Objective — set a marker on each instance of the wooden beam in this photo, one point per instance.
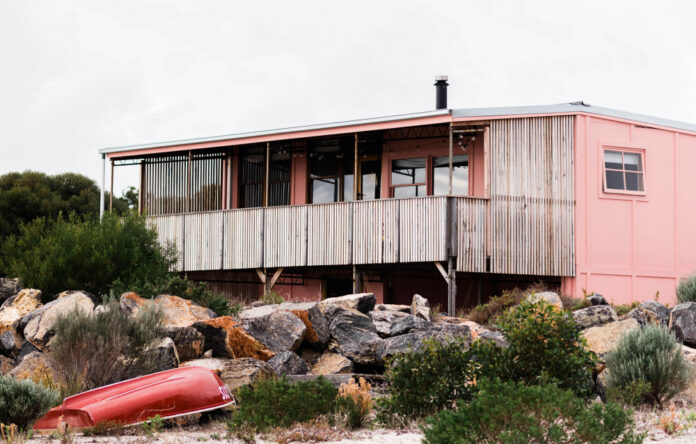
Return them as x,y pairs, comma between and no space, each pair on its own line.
450,160
275,277
441,269
261,274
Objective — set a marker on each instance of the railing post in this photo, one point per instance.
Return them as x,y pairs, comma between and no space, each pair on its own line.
103,183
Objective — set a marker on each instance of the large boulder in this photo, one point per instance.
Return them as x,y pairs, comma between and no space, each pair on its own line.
33,365
597,299
394,323
189,342
37,326
332,364
651,312
11,341
393,307
6,365
682,323
279,331
239,372
131,303
420,307
362,302
19,305
549,297
355,335
8,288
288,363
603,338
176,311
228,339
414,341
164,354
317,334
213,364
594,316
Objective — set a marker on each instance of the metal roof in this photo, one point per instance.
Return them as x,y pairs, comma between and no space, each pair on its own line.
561,108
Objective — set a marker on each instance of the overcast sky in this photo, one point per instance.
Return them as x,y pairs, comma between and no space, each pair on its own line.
76,76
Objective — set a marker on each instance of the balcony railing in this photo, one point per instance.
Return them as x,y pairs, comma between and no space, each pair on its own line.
362,232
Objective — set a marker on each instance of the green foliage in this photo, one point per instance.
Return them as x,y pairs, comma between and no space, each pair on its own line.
511,412
623,309
427,380
544,345
86,254
487,313
271,402
351,412
686,290
631,394
152,426
94,349
176,285
652,356
272,297
22,401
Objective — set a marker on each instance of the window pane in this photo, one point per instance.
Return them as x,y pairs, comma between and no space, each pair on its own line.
325,190
405,171
634,182
370,172
615,180
413,191
633,162
460,175
612,160
347,187
324,162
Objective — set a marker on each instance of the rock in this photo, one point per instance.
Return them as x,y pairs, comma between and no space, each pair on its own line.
67,293
682,322
131,303
227,339
258,312
214,364
208,354
447,331
332,364
310,356
257,304
549,297
11,341
6,365
189,342
33,364
19,305
362,302
603,339
414,341
164,354
596,299
651,312
8,288
288,363
239,372
179,312
356,335
594,316
420,307
279,331
37,326
600,387
493,336
394,323
26,350
317,334
393,307
101,308
689,354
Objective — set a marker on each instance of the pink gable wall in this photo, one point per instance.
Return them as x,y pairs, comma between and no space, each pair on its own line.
629,247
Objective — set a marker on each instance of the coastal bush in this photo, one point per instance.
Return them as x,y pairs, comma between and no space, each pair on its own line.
94,349
86,254
651,357
272,402
544,345
686,290
487,313
512,412
22,401
427,380
354,402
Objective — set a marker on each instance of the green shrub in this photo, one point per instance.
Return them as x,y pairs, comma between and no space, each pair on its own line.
487,313
511,412
70,254
427,380
22,402
94,349
272,297
686,290
544,345
624,309
271,402
652,356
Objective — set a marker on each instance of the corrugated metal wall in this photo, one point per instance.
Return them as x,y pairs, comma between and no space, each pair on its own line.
532,196
170,232
471,234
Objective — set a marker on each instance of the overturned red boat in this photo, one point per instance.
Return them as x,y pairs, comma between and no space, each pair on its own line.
171,393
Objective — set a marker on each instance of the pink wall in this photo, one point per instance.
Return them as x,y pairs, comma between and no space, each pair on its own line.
298,177
628,247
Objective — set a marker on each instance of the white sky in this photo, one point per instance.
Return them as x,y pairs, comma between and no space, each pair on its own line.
76,76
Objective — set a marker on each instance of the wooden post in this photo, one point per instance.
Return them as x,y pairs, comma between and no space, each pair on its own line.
355,170
268,171
111,196
450,159
188,183
356,284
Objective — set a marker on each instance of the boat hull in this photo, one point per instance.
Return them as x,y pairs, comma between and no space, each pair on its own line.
166,394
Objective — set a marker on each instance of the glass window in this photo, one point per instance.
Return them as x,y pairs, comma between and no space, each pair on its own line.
408,177
279,179
623,171
324,174
460,175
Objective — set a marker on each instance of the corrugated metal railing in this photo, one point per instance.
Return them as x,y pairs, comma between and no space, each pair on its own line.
362,232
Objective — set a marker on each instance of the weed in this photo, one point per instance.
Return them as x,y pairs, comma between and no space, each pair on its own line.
271,297
354,402
669,423
105,428
152,426
10,434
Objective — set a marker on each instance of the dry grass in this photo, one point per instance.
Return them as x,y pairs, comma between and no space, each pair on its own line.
317,430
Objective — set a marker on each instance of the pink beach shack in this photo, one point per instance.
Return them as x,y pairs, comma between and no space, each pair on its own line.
453,204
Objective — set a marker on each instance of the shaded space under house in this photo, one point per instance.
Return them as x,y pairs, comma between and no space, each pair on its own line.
453,204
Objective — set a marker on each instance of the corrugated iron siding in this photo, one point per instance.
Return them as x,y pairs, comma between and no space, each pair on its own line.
243,239
330,230
423,229
471,234
170,232
285,236
532,196
206,230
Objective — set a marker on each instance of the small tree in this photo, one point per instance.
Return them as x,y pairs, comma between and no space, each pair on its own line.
22,401
649,357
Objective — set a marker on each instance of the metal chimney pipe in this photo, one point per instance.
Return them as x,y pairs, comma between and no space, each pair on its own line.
441,92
